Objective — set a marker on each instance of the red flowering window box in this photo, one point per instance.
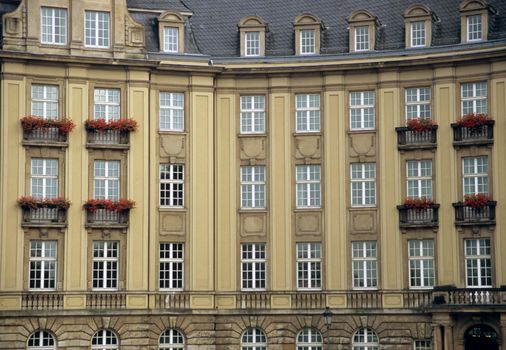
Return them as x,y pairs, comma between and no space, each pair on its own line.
418,212
109,134
46,132
476,210
418,133
473,129
43,212
108,213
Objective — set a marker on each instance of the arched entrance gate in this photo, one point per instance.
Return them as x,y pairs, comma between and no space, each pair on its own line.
480,337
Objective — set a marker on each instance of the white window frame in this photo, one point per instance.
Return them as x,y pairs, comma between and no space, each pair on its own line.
253,265
308,186
253,183
46,101
361,183
418,102
421,259
482,260
105,338
110,181
171,178
309,339
307,117
38,338
364,259
474,28
476,178
55,16
362,38
103,262
47,180
171,339
110,101
92,21
309,261
364,107
253,339
365,339
421,181
171,263
422,344
251,43
479,103
418,34
48,264
307,41
252,114
171,39
171,111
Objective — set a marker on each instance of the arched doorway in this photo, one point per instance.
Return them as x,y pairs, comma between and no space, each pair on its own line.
481,337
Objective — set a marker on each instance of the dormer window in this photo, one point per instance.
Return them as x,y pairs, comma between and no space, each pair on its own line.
362,31
252,33
307,35
53,22
474,17
418,34
418,22
171,30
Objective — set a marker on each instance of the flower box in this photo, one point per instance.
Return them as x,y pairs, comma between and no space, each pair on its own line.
107,134
418,212
475,212
473,129
44,212
108,213
418,134
37,130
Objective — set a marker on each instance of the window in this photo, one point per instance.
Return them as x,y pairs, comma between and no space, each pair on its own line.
478,263
307,42
44,178
253,270
42,265
364,260
252,41
171,111
421,263
106,181
418,103
365,339
171,185
309,339
253,339
53,25
171,39
107,104
105,264
171,266
475,170
363,184
362,38
474,28
171,339
362,110
419,178
418,34
252,187
104,340
309,266
45,101
96,29
307,180
252,114
41,340
474,98
307,113
423,345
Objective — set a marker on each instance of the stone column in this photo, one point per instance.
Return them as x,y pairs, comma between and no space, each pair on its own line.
437,338
448,329
502,336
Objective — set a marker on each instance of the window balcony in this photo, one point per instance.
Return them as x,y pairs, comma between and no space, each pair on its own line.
38,131
473,136
108,139
469,216
44,217
407,139
410,217
105,218
451,296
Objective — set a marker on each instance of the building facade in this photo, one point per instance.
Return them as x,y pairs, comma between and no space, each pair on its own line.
216,175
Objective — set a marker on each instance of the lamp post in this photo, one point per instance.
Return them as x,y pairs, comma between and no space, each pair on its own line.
327,320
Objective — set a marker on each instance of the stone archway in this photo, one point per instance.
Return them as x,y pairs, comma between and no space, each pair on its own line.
480,337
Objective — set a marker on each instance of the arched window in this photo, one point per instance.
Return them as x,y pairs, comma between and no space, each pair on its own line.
171,339
104,339
365,339
41,340
309,339
253,339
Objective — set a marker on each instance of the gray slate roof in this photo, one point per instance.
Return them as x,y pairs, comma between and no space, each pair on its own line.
212,28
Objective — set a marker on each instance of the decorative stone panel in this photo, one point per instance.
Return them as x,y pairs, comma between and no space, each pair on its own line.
173,146
252,148
308,223
362,145
253,224
308,147
172,223
363,221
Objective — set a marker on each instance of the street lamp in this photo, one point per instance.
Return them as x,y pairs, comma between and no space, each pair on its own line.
327,320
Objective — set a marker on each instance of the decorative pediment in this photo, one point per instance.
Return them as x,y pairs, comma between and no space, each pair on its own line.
361,16
252,22
306,19
473,5
171,16
418,11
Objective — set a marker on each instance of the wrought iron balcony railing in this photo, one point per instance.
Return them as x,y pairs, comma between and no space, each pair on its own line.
469,216
44,216
482,135
108,139
414,217
107,218
45,137
408,139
